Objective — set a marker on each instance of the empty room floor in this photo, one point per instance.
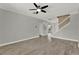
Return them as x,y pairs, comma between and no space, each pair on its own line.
41,46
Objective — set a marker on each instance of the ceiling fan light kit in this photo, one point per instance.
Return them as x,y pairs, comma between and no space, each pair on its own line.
39,10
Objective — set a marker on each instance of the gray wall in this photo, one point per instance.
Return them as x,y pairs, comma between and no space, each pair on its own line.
72,30
15,26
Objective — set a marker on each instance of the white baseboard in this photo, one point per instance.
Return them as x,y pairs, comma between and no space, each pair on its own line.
65,39
4,44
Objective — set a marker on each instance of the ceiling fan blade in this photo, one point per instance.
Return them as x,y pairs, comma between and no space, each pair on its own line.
43,11
37,12
32,9
35,5
44,7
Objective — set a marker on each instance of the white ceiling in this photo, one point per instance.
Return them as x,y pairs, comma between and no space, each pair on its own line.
53,10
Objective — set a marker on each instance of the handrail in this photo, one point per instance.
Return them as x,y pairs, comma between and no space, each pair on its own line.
64,20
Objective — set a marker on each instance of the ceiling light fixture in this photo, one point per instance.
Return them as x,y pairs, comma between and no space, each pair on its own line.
39,10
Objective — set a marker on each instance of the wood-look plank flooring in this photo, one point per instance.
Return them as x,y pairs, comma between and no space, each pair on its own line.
41,46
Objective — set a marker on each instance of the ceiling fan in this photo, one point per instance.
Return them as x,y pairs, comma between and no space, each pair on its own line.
39,8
